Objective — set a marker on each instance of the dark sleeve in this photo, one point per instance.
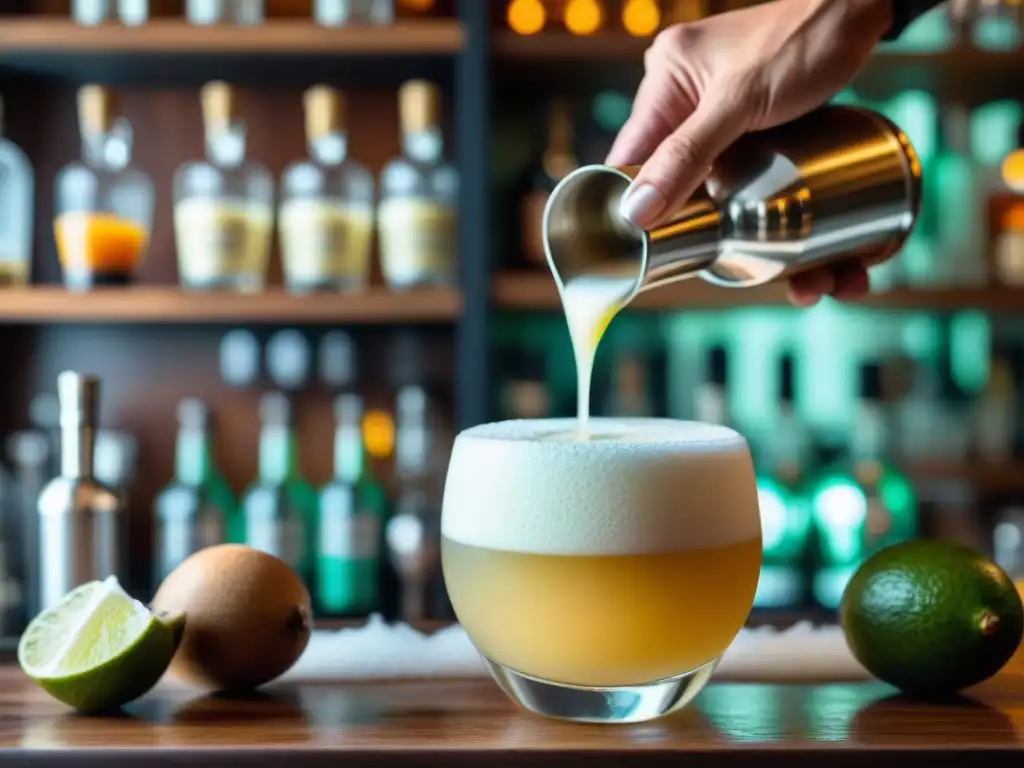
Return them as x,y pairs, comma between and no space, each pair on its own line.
904,12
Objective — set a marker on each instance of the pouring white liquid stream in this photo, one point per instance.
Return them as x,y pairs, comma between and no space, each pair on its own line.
589,303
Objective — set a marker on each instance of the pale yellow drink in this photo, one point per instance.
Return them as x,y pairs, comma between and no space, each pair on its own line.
619,560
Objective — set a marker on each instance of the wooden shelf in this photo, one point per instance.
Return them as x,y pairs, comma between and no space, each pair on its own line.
50,305
57,47
530,291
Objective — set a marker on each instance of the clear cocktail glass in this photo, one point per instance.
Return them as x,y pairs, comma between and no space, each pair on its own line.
601,579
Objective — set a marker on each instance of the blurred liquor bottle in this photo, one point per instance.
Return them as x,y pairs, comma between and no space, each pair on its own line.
350,522
862,503
339,13
17,185
557,161
957,202
995,416
279,508
196,509
419,192
784,503
104,206
224,204
711,397
325,219
1006,219
237,12
525,390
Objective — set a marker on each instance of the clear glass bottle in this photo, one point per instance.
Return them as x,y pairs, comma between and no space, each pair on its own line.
238,12
280,508
17,187
339,13
419,193
325,219
103,206
223,205
197,508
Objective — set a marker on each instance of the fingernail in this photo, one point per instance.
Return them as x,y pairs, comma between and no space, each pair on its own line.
642,204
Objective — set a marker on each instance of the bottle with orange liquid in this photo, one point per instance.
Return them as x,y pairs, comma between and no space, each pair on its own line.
103,205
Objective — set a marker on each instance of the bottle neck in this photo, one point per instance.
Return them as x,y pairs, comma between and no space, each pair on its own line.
226,146
869,435
77,448
192,457
424,146
110,151
331,149
349,455
277,455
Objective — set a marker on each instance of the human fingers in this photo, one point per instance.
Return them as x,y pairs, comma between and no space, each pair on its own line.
842,282
682,161
658,109
807,288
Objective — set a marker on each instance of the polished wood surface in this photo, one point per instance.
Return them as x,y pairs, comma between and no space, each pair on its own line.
525,290
45,304
456,723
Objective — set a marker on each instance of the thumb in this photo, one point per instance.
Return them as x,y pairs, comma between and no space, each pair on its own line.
682,161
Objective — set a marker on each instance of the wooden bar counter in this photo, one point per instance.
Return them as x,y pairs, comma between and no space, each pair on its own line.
470,722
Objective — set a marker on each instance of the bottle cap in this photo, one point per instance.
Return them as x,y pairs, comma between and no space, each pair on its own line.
193,413
325,111
419,106
275,410
221,104
348,409
97,109
79,397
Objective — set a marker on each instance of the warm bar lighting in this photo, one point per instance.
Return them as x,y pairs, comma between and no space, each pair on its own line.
526,17
641,18
1013,170
583,17
417,6
379,434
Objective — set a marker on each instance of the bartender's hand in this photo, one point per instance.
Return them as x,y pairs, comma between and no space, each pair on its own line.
708,83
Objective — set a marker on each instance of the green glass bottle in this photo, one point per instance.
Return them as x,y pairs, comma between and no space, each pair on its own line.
280,508
197,507
352,509
784,504
863,504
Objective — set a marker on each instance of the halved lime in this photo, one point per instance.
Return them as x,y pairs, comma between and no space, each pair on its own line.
98,648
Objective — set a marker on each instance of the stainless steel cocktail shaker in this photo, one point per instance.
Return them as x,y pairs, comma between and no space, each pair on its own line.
838,183
79,517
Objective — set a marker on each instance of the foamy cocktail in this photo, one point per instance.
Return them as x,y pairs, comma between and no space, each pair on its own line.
601,577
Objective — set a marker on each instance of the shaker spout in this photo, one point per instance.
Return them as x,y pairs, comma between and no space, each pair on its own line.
586,235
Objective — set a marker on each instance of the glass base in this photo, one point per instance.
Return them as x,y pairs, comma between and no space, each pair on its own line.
626,704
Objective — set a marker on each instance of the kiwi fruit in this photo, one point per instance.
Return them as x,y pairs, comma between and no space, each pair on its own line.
247,617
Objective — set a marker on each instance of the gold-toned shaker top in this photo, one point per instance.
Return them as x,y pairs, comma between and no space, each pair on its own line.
325,111
419,106
221,104
97,109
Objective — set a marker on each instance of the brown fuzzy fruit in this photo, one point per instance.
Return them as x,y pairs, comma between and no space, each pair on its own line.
247,617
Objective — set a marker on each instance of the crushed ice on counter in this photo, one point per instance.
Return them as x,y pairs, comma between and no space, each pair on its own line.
378,650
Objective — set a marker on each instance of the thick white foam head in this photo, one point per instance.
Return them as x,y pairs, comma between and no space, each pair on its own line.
637,486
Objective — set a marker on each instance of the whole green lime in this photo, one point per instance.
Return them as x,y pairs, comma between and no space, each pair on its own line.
931,617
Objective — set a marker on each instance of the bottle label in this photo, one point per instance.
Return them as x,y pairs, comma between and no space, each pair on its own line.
1009,255
215,242
274,530
320,241
349,537
417,241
